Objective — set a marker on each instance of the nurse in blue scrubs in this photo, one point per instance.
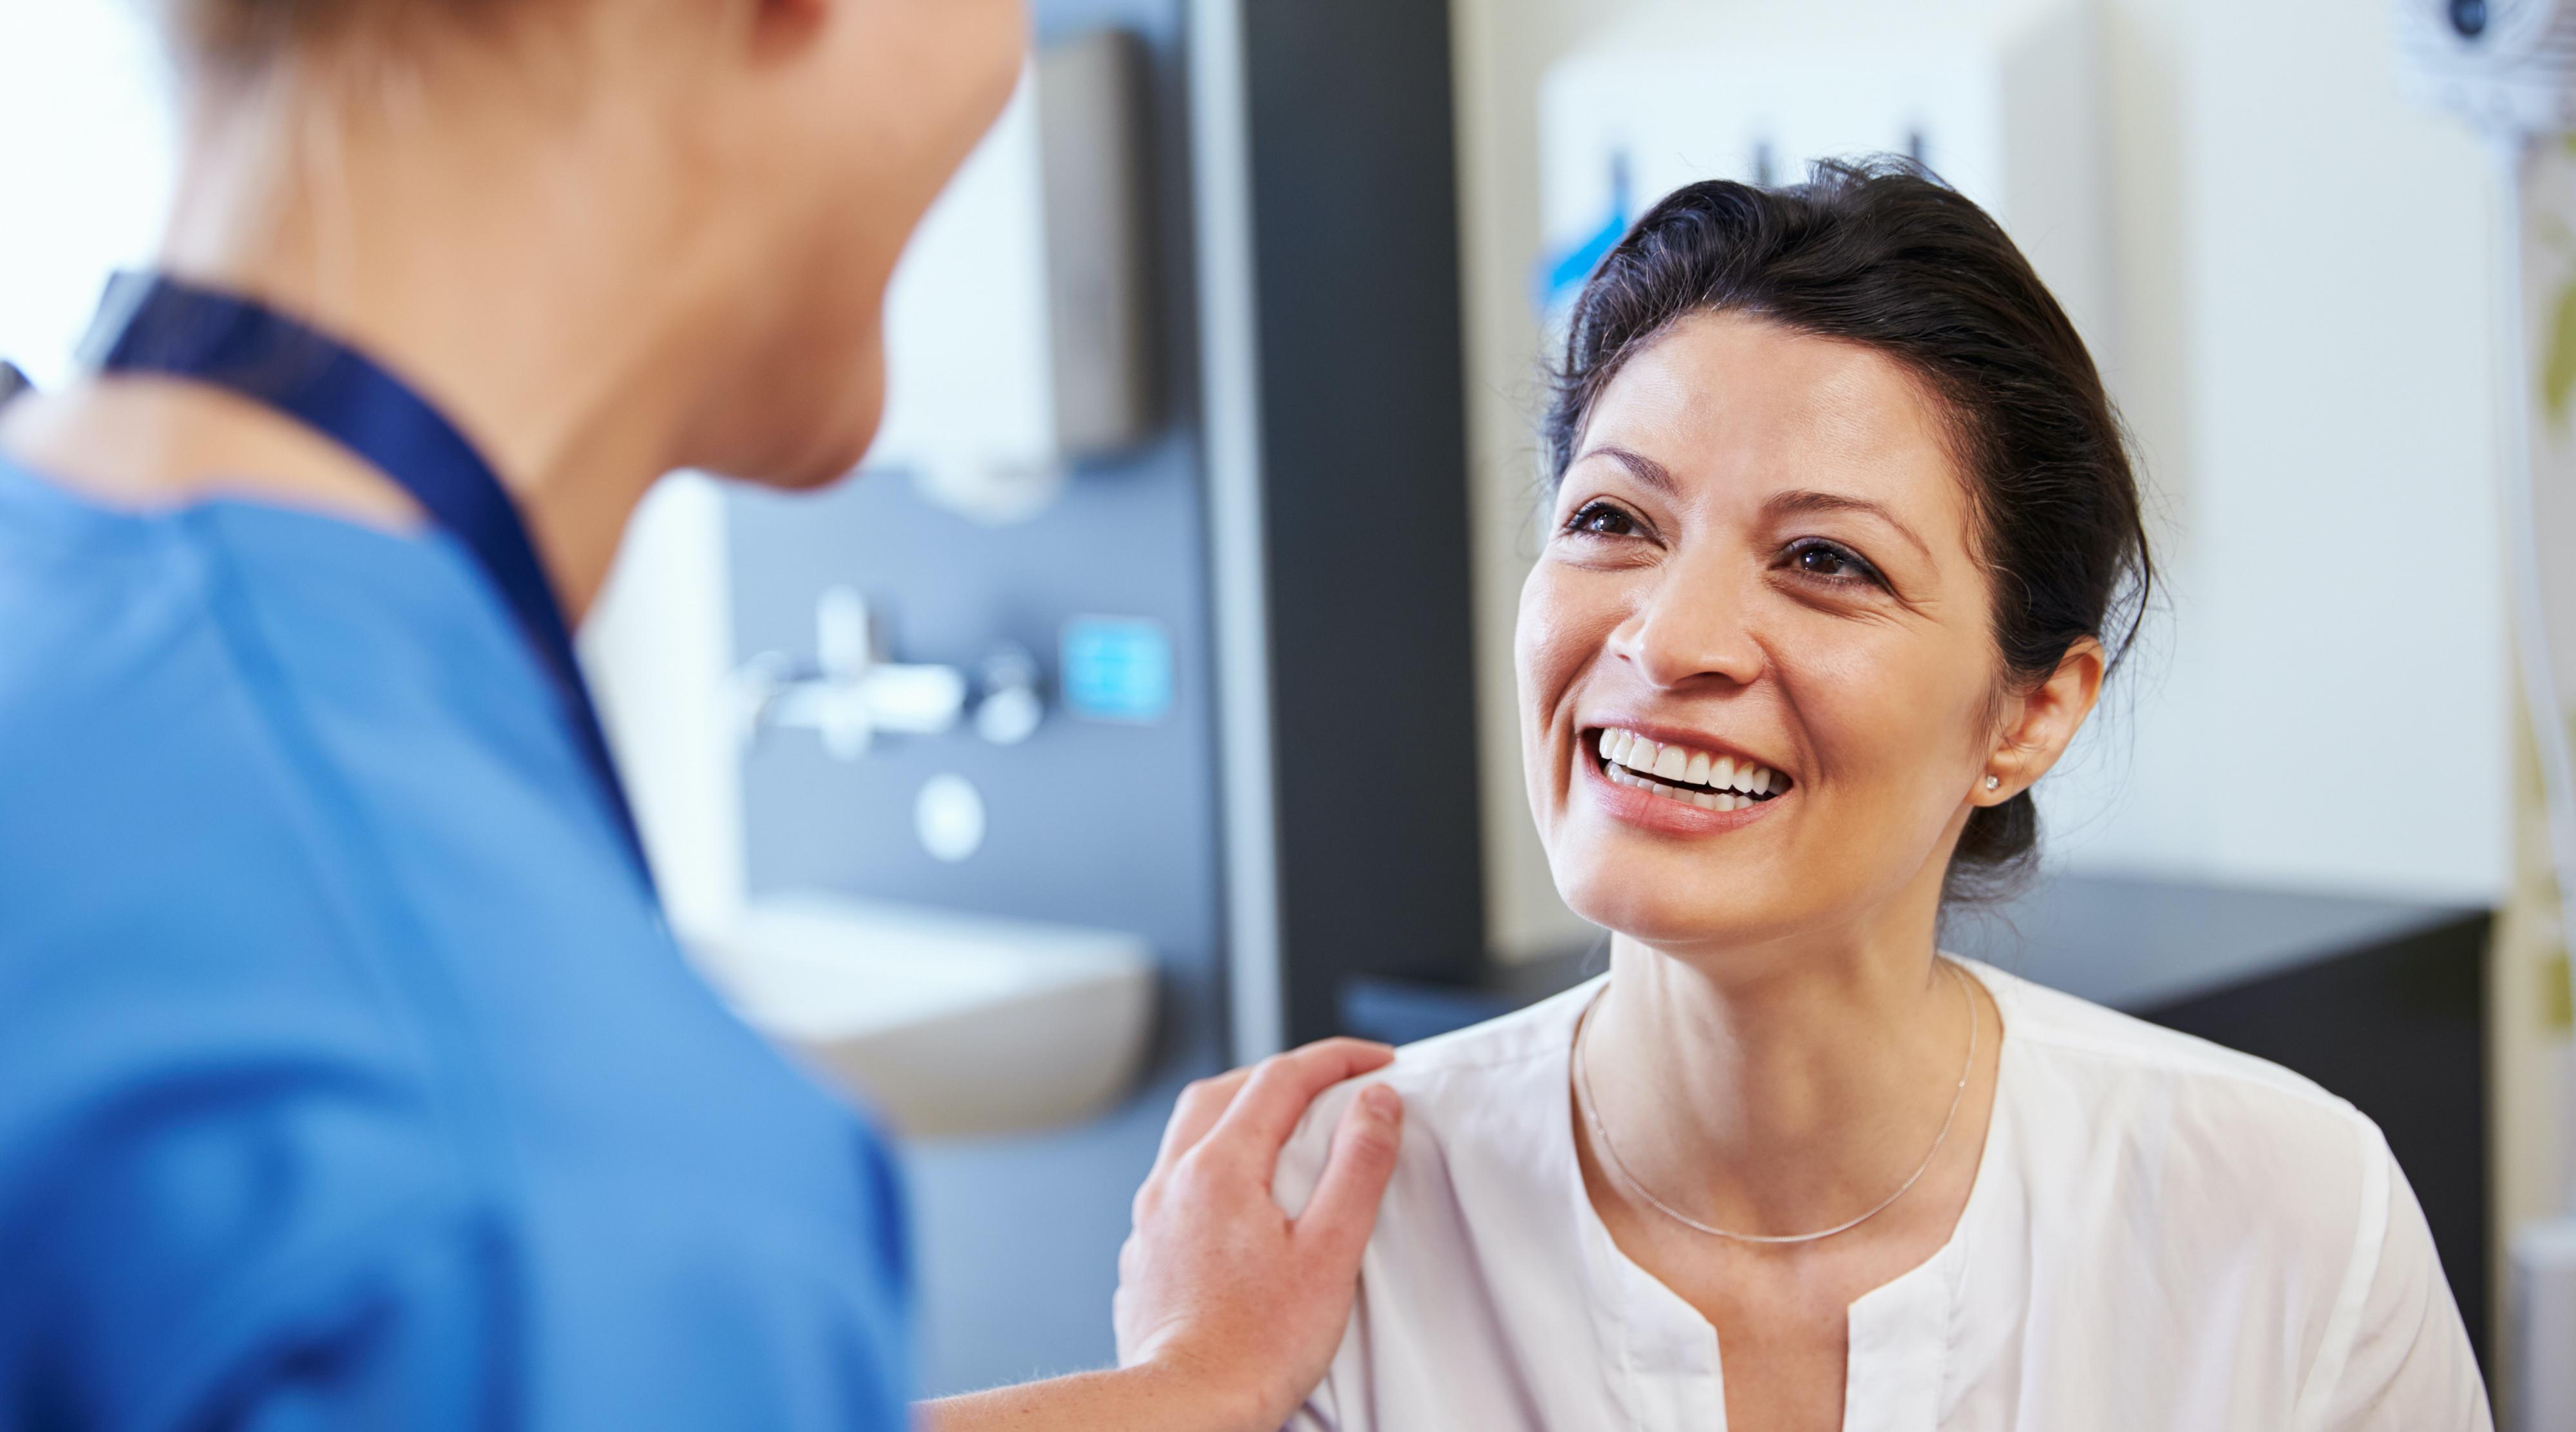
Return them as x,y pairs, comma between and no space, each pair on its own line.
348,1075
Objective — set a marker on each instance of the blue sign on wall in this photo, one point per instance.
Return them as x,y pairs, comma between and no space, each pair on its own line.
1562,274
1117,669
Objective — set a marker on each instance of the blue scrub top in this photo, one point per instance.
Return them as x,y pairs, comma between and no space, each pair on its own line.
348,1076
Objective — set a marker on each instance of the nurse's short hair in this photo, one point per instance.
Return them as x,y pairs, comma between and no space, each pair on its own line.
1880,253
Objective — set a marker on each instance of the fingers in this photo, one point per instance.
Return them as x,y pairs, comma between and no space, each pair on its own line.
1267,1109
1195,1112
1338,1218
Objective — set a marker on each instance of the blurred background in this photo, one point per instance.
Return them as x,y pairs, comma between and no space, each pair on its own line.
1148,706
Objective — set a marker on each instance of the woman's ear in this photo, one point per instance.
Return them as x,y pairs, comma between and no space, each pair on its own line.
2040,723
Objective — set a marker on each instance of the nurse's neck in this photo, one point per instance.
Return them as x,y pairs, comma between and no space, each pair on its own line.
547,273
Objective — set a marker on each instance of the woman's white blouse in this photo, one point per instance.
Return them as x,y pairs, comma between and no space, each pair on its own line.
2163,1234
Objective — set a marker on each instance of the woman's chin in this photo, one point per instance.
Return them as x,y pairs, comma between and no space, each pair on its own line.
1698,911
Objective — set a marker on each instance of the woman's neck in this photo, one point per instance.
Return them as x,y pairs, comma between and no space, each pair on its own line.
537,283
1782,1089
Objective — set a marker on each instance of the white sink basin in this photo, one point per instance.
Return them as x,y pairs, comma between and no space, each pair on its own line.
951,1025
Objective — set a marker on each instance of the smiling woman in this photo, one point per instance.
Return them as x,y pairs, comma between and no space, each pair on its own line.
1841,544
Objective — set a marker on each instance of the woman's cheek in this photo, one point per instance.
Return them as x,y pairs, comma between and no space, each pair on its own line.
1555,645
1552,648
1890,722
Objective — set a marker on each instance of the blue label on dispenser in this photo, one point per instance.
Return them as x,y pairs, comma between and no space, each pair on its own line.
1117,669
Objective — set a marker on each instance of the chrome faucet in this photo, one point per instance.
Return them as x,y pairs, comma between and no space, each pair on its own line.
853,691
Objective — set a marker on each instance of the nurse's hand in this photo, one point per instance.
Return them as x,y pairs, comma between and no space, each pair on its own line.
1228,1310
1216,1286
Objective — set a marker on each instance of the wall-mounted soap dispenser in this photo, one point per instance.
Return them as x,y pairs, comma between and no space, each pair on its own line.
1020,325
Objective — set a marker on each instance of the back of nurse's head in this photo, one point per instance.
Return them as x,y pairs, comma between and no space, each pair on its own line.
782,150
1879,254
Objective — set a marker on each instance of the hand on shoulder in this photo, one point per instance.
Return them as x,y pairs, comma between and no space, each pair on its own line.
1229,1310
1216,1279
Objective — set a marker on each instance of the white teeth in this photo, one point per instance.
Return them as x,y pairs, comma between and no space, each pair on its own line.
1630,758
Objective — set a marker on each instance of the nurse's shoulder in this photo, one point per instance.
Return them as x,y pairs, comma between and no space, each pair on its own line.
194,1095
342,1059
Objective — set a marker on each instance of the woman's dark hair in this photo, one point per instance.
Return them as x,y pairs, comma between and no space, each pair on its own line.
1878,253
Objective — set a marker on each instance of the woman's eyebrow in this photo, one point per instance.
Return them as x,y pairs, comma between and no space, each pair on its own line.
1659,477
1643,468
1791,503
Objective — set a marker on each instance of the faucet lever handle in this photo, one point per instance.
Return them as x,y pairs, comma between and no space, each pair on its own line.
845,643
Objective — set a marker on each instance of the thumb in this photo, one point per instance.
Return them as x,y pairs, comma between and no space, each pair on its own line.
1338,1218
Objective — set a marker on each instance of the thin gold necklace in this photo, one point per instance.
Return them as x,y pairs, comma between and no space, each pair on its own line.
1609,1150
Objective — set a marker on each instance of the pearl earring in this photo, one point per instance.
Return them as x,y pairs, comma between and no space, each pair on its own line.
1994,783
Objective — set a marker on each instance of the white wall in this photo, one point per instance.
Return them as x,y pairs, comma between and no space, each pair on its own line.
85,166
2306,265
2302,261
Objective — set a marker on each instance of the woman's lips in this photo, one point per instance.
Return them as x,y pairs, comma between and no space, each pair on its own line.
1641,807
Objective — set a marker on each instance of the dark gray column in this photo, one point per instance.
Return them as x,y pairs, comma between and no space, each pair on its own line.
1362,434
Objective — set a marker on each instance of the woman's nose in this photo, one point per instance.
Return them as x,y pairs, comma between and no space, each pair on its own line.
1691,629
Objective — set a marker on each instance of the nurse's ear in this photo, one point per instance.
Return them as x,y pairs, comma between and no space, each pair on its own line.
2038,724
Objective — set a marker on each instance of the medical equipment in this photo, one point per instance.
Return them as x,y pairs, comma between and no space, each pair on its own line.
2509,68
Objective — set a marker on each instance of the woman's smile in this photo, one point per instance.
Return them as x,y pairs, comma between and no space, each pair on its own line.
1674,782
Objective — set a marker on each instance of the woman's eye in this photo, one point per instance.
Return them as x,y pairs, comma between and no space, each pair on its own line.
1831,562
1600,519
